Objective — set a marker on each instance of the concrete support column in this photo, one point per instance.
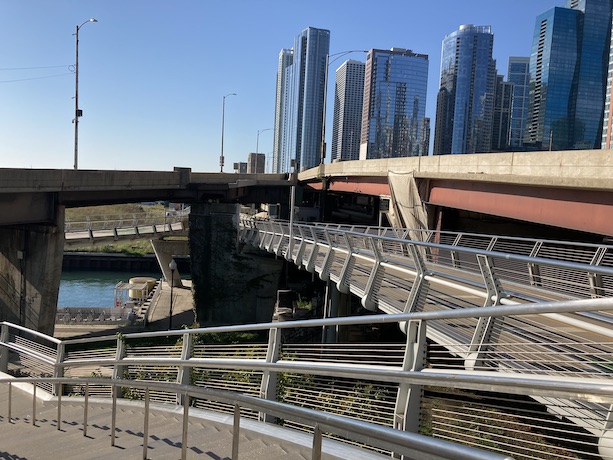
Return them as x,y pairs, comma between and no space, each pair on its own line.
337,304
229,286
30,270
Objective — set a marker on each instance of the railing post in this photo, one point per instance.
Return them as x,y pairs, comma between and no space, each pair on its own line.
345,271
408,401
419,289
236,431
328,258
120,353
4,351
310,263
605,441
485,325
59,406
317,441
268,389
184,373
278,250
301,246
595,279
58,370
455,261
367,300
185,426
533,269
146,424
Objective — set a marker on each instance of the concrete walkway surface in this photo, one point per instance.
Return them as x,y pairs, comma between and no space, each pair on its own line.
209,433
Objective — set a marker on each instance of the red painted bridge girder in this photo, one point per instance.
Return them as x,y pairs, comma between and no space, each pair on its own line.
585,210
578,209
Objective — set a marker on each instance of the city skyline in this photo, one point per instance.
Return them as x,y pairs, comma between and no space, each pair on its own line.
152,75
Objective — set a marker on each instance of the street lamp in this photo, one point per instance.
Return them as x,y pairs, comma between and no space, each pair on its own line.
223,109
323,123
257,142
173,266
77,112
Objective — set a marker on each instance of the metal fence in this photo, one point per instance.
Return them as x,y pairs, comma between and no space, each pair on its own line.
418,386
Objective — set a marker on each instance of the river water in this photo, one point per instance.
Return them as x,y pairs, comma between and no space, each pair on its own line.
92,289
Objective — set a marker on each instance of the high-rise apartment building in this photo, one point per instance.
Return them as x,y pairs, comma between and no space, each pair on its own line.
395,88
607,125
518,73
501,126
256,163
280,153
348,103
568,76
465,101
300,101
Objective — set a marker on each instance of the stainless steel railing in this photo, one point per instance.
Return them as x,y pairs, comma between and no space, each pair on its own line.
402,443
410,386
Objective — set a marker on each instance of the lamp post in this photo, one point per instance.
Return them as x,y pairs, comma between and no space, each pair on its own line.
77,112
257,142
323,123
223,110
173,266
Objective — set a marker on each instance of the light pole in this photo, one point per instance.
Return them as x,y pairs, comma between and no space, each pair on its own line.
257,141
173,266
223,110
77,112
323,123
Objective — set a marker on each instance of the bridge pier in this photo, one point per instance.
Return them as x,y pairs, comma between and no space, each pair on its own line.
30,271
337,304
232,284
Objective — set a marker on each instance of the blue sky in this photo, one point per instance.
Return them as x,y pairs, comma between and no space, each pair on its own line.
152,73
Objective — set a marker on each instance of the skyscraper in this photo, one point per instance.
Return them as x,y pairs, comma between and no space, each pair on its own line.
300,88
519,74
395,88
501,126
568,75
607,125
348,102
280,154
465,101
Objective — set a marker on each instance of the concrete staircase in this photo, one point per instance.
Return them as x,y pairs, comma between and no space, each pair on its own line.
210,434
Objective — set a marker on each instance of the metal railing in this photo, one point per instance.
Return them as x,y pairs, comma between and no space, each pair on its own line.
124,226
403,443
408,386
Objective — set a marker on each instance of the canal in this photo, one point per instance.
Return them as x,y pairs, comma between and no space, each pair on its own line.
93,288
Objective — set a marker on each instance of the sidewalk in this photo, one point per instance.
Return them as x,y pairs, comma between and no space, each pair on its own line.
183,313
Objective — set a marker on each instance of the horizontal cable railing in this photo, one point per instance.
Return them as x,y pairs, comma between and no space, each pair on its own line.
486,396
403,443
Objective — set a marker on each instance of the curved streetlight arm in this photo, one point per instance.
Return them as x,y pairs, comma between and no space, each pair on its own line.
257,141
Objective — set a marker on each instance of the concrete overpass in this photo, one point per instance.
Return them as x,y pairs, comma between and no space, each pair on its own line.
566,189
32,204
570,190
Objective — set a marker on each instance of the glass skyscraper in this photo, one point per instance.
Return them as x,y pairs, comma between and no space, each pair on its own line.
300,101
501,127
519,74
395,88
348,103
568,76
280,154
465,102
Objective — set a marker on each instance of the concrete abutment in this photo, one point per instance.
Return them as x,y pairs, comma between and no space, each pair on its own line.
30,271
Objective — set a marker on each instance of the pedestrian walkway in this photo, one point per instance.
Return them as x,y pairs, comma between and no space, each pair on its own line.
210,434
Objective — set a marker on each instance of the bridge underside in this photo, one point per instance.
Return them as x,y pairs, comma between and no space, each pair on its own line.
576,209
